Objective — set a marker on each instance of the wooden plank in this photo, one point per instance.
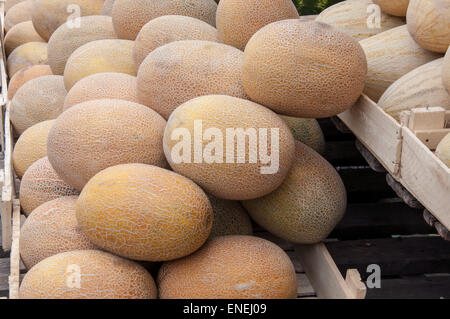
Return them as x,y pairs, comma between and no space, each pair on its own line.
8,185
14,277
432,138
304,287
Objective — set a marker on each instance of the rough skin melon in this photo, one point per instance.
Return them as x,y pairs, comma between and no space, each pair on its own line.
446,71
87,274
443,150
144,212
108,85
31,146
238,175
20,12
52,229
238,20
309,203
129,16
307,131
107,7
393,7
304,69
230,267
19,34
41,184
429,23
97,57
11,3
189,69
66,39
38,100
97,134
26,74
27,54
166,29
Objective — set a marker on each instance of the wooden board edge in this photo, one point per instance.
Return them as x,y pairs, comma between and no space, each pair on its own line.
14,276
7,191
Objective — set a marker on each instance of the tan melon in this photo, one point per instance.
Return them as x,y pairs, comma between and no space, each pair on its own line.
87,274
99,56
429,23
189,69
238,174
358,18
308,205
230,267
31,146
129,16
66,39
11,3
107,7
446,71
107,85
393,7
238,20
166,29
48,15
41,184
144,212
443,150
21,33
421,87
26,74
27,54
390,55
20,12
303,69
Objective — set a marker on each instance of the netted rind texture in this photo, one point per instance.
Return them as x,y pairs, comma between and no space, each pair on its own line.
26,74
20,34
20,12
11,3
443,150
446,71
24,55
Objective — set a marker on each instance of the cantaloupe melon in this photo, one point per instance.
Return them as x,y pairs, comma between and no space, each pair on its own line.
303,69
446,71
231,267
429,23
20,12
309,203
31,146
48,15
359,18
390,55
41,184
26,74
421,87
393,7
87,274
38,100
443,150
237,171
238,20
189,69
109,85
107,7
19,34
11,3
144,212
99,56
129,16
166,29
66,39
27,54
51,229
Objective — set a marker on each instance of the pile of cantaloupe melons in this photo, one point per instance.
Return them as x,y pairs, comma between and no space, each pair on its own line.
98,103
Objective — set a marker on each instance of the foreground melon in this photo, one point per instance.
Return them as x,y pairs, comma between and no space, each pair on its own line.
26,74
429,23
189,69
27,54
238,20
38,100
41,184
97,134
307,131
303,69
394,7
446,71
166,29
390,55
241,172
87,274
421,87
443,150
11,3
107,7
20,34
97,57
231,267
20,12
144,212
309,203
66,39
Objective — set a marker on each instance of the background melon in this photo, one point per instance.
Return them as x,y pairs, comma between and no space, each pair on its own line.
308,205
231,267
189,69
238,20
219,177
52,229
11,3
100,274
20,34
129,16
41,184
144,212
109,85
443,150
37,100
66,39
446,71
394,7
20,12
97,57
31,146
166,29
107,7
26,74
303,69
27,54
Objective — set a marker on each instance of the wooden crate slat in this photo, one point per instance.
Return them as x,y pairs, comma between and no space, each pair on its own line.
8,185
14,277
304,287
